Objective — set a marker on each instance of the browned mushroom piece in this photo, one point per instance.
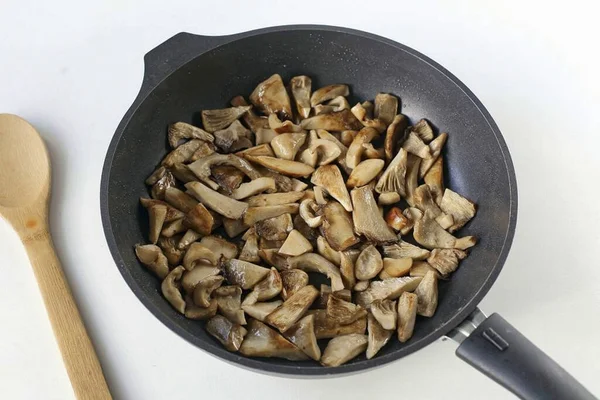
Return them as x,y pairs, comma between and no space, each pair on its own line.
273,258
327,93
253,121
264,136
257,214
390,289
221,247
407,314
377,336
338,121
394,136
368,264
337,226
227,177
152,257
229,300
259,150
370,152
170,249
243,273
301,86
266,289
286,145
320,195
347,260
286,167
395,267
427,295
321,152
234,227
194,312
327,251
420,268
156,175
302,334
249,251
365,172
424,130
157,214
204,150
461,209
200,220
412,214
253,187
171,292
414,145
180,200
428,233
435,147
396,219
394,177
327,328
271,97
292,281
367,219
356,148
329,177
162,184
197,253
385,313
204,289
295,244
434,178
229,334
182,153
312,262
223,205
190,279
306,210
181,131
233,138
343,312
404,249
342,349
172,228
182,173
214,120
262,341
293,308
274,199
275,228
346,137
281,127
412,177
202,168
188,238
172,213
363,111
260,311
423,199
446,260
386,107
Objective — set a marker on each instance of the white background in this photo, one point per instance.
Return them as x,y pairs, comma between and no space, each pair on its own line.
72,69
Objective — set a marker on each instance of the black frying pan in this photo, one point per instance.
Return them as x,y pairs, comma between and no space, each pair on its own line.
188,73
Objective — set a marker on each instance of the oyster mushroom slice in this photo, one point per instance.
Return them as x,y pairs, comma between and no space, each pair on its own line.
326,328
171,292
407,314
182,173
420,268
384,311
342,349
204,289
214,120
283,127
423,199
365,172
202,167
341,160
368,264
250,250
271,97
367,219
300,87
393,178
221,247
361,286
152,257
386,107
293,308
256,214
229,299
295,245
395,267
243,273
405,250
412,214
428,233
435,146
356,148
180,200
286,145
172,213
260,311
327,251
434,178
427,295
157,214
198,253
200,313
326,151
182,153
446,260
156,176
390,289
347,260
265,136
273,258
292,281
377,336
424,130
233,138
338,121
371,152
259,150
302,334
312,262
192,278
262,341
343,312
396,219
233,227
294,169
327,93
412,177
307,214
170,249
253,121
461,209
229,334
173,228
274,199
329,177
253,187
337,226
223,205
200,219
161,185
276,228
414,145
266,289
394,136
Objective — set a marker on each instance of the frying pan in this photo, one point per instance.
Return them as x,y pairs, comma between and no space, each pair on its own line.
188,73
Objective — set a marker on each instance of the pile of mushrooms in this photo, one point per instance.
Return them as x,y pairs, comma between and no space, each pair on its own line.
248,212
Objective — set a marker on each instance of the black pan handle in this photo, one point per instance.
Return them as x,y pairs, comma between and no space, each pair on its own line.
497,349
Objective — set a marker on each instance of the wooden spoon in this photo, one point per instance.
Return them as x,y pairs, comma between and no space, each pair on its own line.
24,198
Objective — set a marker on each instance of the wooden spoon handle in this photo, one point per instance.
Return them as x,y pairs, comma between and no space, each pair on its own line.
77,350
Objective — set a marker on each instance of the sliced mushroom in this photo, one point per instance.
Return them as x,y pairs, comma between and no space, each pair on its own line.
214,120
286,145
428,233
323,134
424,130
204,150
326,151
293,308
412,214
412,177
393,178
367,219
301,87
396,219
156,175
274,199
427,295
161,185
253,121
266,289
276,228
326,291
377,336
338,121
405,250
182,153
199,254
194,312
256,214
329,177
229,334
243,273
200,272
361,286
423,199
434,178
461,209
250,250
152,257
273,258
386,107
414,145
171,250
395,267
337,226
229,300
253,187
343,312
347,137
302,334
347,260
327,93
435,146
292,281
327,251
233,227
407,314
270,97
365,172
259,150
390,289
356,148
326,328
368,264
265,136
171,292
306,212
200,219
295,245
395,135
157,214
446,260
420,268
205,288
286,167
224,205
262,341
312,262
320,195
188,238
172,228
202,167
180,200
182,173
338,103
227,177
342,349
260,311
172,213
370,152
233,138
385,313
283,127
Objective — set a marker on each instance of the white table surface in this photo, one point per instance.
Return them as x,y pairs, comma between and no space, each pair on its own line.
72,69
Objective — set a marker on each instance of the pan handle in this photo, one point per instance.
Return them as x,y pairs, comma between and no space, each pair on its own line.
497,349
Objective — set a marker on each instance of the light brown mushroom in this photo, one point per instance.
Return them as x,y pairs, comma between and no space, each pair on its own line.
446,260
302,334
326,291
338,103
202,168
423,199
253,187
273,258
361,286
157,214
182,153
300,87
368,264
363,111
243,273
435,146
428,233
356,148
327,93
347,260
390,289
258,150
260,311
224,205
204,289
256,214
412,214
172,228
156,175
394,177
346,137
338,121
414,145
170,249
200,220
424,130
152,257
233,138
253,121
180,131
407,314
249,252
171,292
306,209
329,177
337,226
214,120
427,295
385,313
188,238
286,167
229,334
194,312
370,152
312,262
276,228
295,244
265,136
266,289
342,349
293,308
270,97
292,281
412,177
221,247
274,199
386,107
434,178
182,173
394,136
327,251
365,172
158,189
395,267
404,249
172,213
226,177
282,126
461,209
320,195
396,219
229,300
343,312
420,268
198,253
367,219
262,341
180,200
321,152
234,227
204,150
377,336
286,145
